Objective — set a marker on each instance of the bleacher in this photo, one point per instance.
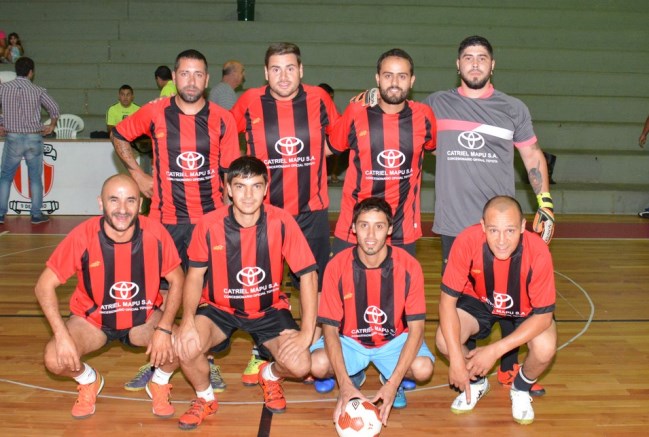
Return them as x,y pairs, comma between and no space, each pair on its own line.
581,66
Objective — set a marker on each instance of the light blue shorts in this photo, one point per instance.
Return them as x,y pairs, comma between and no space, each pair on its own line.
358,357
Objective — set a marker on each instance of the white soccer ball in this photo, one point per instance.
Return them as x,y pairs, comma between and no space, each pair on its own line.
359,419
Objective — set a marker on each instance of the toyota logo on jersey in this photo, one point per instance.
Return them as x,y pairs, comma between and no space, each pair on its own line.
375,315
249,276
289,146
391,158
471,140
124,290
190,160
503,301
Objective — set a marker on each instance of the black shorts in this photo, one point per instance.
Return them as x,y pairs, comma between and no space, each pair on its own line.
316,230
118,334
182,235
483,315
261,330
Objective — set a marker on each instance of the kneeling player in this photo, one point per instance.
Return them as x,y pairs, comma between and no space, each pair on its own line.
372,309
238,251
496,270
119,259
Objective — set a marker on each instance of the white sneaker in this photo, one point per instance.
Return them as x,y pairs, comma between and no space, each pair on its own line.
522,410
478,390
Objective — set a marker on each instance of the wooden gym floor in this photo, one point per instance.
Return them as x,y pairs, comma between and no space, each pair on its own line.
597,385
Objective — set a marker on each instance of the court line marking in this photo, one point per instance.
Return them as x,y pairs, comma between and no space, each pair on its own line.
312,401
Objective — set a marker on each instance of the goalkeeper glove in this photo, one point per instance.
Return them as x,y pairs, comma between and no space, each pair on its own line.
544,218
367,98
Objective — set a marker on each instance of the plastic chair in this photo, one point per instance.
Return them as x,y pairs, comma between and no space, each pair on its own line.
67,126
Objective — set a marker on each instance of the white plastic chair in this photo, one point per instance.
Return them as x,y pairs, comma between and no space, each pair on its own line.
67,126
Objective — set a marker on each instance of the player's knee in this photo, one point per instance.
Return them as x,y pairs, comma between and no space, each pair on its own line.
422,368
50,359
300,366
543,351
320,367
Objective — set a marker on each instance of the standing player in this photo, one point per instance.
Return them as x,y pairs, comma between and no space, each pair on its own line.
193,143
239,252
119,259
497,270
386,144
372,309
478,130
286,124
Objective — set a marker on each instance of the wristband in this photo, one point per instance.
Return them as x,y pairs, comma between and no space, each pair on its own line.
545,200
166,331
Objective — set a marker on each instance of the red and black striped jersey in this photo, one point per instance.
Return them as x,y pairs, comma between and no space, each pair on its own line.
118,284
385,160
245,266
516,287
372,305
189,153
290,137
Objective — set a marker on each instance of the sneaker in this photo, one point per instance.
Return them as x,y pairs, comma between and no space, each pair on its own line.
216,380
198,411
273,393
400,399
249,376
85,404
37,220
161,396
644,214
522,410
141,379
478,390
408,384
507,377
324,385
358,379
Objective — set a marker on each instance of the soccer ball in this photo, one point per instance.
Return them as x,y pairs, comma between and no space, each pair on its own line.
359,419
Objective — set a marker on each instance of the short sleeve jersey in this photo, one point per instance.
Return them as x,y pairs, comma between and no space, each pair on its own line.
372,305
516,287
117,113
290,137
385,160
475,153
118,284
245,266
189,152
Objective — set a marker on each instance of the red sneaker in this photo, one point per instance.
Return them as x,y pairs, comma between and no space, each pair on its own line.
507,377
85,404
273,392
198,411
161,397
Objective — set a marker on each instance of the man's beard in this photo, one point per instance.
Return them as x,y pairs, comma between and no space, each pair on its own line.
393,99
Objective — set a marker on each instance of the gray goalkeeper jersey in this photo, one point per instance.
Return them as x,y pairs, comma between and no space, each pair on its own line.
475,153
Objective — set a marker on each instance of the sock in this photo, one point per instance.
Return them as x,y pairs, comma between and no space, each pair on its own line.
268,374
161,377
207,394
88,376
522,382
509,359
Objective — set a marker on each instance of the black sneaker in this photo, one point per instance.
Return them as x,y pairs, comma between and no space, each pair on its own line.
40,219
644,214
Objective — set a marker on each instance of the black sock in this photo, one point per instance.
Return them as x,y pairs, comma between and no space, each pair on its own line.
522,382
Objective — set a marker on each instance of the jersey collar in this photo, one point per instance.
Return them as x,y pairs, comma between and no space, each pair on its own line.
488,92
